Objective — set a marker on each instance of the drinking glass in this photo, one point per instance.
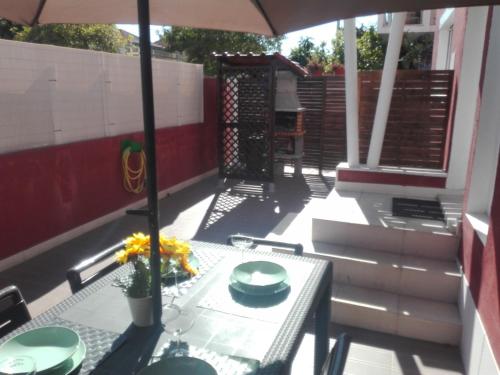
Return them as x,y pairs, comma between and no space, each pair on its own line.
242,242
177,321
18,365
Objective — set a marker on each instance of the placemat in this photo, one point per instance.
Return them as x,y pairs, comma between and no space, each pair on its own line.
265,308
223,364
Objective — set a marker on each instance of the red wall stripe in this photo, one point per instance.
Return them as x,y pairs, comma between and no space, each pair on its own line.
390,178
48,191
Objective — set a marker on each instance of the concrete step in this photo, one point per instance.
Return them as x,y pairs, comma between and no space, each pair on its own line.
395,314
438,244
365,220
452,206
396,273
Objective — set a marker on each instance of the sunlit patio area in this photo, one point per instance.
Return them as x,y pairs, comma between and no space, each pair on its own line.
203,212
168,210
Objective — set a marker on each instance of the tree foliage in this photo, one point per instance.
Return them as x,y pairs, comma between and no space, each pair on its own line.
303,52
370,45
8,30
199,44
315,58
416,52
371,49
95,37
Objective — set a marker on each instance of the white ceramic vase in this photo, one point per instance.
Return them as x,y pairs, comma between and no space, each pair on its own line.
141,310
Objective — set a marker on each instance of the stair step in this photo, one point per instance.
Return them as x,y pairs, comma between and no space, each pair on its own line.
395,314
452,206
365,220
407,275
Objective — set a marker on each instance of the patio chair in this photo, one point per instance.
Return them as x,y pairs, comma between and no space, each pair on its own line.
74,274
297,248
335,362
13,310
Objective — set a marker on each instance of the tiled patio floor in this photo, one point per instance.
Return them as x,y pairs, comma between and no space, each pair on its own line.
205,213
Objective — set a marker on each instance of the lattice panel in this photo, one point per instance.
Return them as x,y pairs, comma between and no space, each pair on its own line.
247,122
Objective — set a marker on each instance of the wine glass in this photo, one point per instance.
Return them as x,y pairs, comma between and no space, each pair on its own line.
176,320
18,365
242,242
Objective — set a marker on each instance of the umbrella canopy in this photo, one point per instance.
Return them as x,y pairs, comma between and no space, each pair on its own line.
269,17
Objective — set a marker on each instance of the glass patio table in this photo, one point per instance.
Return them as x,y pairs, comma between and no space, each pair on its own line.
261,333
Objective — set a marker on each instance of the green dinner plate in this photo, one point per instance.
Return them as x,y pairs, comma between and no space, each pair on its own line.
179,366
48,346
70,364
275,289
259,275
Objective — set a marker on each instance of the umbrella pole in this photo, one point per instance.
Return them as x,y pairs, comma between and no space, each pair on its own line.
150,148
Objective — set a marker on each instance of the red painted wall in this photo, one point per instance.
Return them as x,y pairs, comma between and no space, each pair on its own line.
482,268
481,263
390,178
48,191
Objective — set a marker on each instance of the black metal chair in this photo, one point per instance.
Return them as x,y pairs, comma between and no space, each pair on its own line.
336,360
74,274
13,310
297,248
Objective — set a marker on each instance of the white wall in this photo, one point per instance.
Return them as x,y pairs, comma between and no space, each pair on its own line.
424,27
468,91
488,136
444,43
477,354
52,95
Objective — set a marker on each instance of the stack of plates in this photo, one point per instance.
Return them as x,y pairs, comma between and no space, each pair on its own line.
55,350
259,278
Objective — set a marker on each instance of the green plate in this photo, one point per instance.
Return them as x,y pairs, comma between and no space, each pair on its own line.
179,366
70,364
48,346
259,275
275,289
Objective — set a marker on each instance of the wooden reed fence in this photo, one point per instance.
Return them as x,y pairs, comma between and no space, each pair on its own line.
416,128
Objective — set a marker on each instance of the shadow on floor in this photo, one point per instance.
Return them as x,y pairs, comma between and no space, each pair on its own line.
248,208
39,275
242,207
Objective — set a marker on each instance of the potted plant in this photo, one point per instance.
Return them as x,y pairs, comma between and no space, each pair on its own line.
137,285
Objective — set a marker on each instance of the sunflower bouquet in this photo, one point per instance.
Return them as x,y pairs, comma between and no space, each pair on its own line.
174,256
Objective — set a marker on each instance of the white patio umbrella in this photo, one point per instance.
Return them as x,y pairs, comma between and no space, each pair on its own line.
269,17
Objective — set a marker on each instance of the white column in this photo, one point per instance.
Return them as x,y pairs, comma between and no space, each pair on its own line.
351,91
386,87
468,91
